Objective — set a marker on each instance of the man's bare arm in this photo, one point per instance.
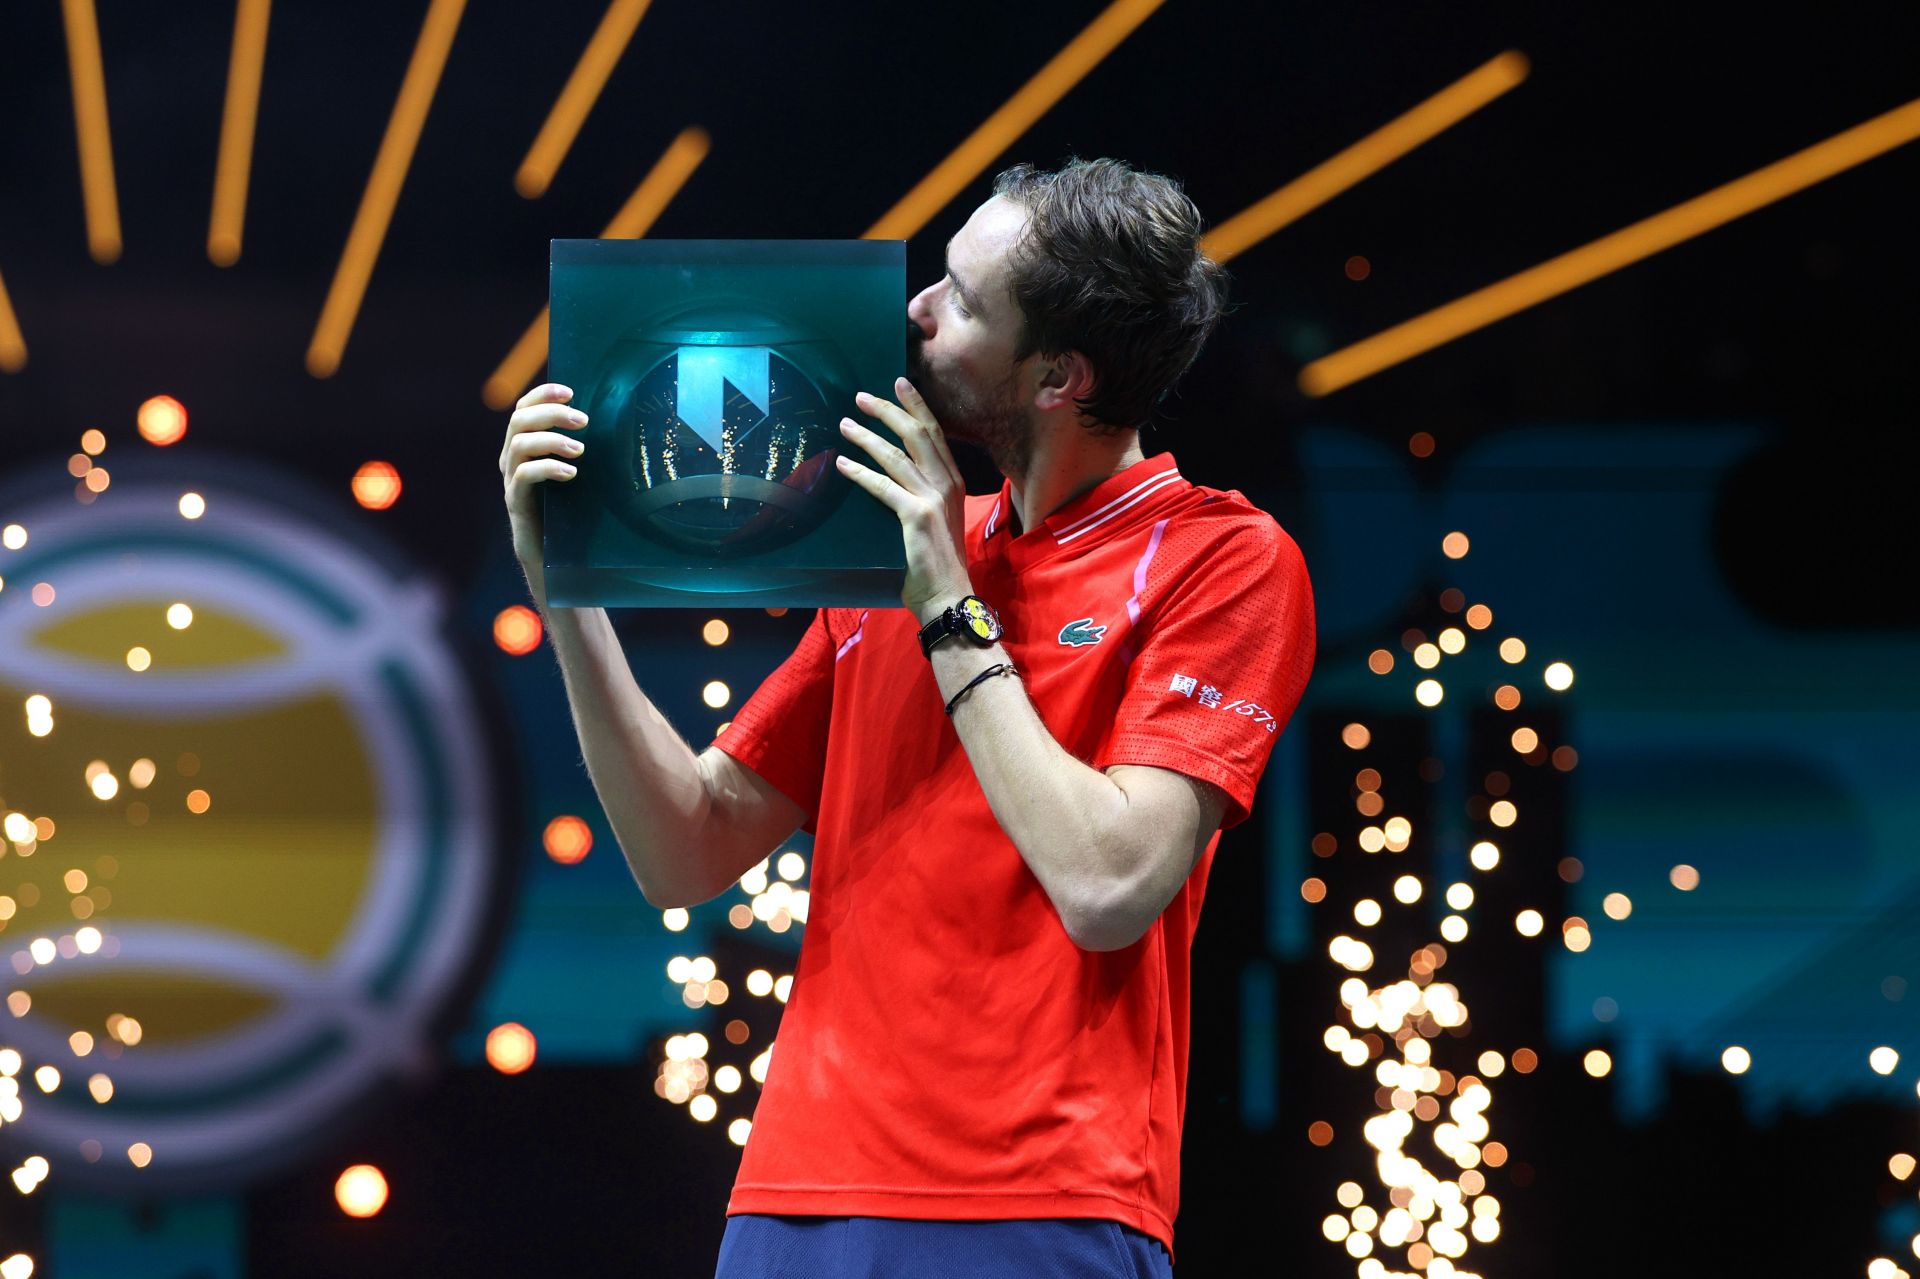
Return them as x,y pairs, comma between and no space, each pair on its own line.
687,824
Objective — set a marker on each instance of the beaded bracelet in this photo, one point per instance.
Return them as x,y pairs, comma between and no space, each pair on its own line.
996,669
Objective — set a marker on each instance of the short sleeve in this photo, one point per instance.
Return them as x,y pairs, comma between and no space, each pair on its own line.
781,731
1221,657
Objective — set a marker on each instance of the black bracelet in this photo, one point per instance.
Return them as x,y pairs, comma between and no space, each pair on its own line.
996,669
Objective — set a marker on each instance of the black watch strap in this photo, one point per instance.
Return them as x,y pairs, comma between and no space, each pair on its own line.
979,624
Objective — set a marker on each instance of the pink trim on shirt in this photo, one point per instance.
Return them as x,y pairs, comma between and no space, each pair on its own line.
1139,587
854,638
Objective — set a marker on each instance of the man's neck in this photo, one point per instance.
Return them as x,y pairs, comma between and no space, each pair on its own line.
1065,466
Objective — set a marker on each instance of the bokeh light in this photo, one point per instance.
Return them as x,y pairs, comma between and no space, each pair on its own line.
567,839
510,1048
162,420
361,1191
376,485
517,630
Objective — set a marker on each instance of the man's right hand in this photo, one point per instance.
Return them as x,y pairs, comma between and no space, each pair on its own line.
534,451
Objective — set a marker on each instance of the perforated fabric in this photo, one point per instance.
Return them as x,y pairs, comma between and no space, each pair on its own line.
947,1051
1225,644
791,710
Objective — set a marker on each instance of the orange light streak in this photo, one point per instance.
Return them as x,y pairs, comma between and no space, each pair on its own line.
13,343
576,100
1611,252
1034,99
90,125
236,131
390,166
669,173
1366,157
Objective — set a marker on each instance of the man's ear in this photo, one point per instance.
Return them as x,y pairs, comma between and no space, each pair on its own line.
1066,378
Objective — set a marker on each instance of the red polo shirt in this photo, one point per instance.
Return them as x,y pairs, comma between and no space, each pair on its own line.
947,1051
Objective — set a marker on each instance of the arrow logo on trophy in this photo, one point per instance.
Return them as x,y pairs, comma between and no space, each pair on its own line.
700,391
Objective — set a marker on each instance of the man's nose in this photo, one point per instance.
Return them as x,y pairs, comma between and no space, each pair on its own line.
920,314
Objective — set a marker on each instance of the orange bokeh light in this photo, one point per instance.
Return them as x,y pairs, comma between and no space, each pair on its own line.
162,420
361,1191
517,630
376,485
567,839
510,1048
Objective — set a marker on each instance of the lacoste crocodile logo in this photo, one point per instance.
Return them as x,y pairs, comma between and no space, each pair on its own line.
1077,633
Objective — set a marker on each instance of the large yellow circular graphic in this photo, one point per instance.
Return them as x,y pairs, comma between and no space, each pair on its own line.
292,849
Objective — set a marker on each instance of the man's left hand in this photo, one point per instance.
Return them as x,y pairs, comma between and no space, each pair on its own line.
922,485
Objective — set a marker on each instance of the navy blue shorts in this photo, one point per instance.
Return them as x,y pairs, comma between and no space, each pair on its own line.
768,1246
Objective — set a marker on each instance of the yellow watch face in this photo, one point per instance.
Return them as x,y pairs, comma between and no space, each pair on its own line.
978,618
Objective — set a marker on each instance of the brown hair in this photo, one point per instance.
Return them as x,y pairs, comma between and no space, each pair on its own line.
1110,266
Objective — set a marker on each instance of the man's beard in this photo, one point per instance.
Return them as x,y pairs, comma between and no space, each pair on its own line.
996,421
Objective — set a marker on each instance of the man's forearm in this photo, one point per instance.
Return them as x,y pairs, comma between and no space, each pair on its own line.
1068,820
646,775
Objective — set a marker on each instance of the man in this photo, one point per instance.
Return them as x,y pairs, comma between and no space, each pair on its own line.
1015,782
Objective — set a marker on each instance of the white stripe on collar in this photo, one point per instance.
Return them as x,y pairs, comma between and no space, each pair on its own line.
1138,493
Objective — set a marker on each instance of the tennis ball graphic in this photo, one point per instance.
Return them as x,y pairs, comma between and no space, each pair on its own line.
278,811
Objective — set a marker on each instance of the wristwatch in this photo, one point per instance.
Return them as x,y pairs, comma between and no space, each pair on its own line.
971,617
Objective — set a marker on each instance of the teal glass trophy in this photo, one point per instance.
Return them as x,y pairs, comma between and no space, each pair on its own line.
714,374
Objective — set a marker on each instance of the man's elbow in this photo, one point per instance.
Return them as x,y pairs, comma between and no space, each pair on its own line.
1110,924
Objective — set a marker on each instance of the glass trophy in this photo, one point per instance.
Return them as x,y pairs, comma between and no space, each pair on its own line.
714,374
